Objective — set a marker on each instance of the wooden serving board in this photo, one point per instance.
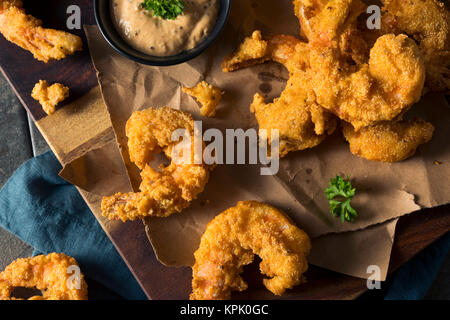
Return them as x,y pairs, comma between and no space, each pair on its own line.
414,232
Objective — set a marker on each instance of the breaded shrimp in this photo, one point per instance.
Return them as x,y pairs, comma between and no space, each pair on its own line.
233,238
305,10
51,274
427,22
324,21
27,32
388,141
333,23
49,96
301,122
207,95
381,90
163,192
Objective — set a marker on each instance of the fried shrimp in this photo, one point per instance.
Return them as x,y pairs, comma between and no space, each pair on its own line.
49,96
381,90
333,23
305,10
389,141
428,23
233,238
51,274
27,32
301,122
163,192
207,95
323,21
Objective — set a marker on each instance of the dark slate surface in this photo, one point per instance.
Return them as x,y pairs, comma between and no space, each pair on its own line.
39,145
15,148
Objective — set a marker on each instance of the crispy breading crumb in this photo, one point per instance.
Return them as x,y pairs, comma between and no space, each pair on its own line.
49,96
207,95
252,51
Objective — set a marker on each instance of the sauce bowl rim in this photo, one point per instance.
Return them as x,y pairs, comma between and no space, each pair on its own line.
126,50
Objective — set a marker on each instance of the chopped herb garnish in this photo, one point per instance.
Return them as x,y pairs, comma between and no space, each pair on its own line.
340,193
166,9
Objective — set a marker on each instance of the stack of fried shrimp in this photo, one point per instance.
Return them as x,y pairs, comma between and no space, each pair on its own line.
342,71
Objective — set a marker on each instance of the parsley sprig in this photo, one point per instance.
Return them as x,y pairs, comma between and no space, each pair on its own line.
166,9
340,193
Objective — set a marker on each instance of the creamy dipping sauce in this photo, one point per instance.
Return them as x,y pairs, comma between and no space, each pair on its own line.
156,36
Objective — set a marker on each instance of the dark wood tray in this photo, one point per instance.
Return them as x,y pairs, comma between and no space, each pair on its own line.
414,232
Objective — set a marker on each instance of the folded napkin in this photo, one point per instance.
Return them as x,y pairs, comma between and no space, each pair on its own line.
413,280
49,214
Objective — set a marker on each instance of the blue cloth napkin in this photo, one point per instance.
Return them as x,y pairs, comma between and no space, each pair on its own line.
48,213
413,280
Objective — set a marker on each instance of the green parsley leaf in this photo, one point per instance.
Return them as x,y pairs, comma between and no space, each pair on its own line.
340,193
166,9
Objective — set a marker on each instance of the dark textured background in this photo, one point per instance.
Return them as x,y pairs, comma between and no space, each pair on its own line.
19,141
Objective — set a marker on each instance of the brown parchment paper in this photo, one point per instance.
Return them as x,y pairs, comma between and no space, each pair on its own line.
385,191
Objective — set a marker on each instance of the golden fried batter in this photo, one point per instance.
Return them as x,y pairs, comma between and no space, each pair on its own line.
163,192
52,274
6,4
333,23
207,95
324,21
233,238
381,90
254,50
427,22
305,10
27,32
301,122
389,141
49,96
